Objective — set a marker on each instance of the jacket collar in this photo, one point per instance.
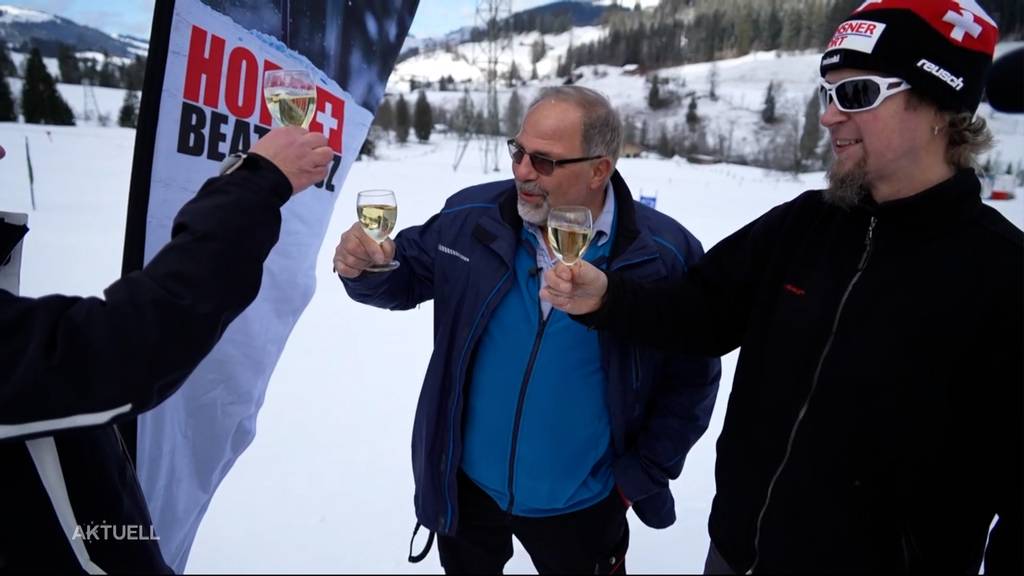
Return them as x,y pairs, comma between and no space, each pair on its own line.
629,242
930,210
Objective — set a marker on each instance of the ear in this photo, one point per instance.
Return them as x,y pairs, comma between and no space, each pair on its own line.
601,171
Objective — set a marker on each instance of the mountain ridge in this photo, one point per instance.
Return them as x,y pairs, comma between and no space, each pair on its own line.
24,28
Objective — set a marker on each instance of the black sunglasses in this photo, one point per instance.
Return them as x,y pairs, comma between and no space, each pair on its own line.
860,93
542,164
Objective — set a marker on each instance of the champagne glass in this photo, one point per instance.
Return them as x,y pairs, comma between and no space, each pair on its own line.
291,96
570,229
377,211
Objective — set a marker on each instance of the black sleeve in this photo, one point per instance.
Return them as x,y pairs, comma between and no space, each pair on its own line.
68,362
1002,372
705,313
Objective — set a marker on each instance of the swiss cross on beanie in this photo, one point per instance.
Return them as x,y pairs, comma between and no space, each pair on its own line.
942,48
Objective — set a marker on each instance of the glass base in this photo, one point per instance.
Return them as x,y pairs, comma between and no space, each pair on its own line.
385,268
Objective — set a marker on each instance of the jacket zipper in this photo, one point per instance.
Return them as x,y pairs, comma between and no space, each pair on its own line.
519,405
446,457
868,245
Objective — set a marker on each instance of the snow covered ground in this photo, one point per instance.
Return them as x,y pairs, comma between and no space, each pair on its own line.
327,484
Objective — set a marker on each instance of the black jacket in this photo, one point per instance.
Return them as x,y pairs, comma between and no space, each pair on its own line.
875,415
70,367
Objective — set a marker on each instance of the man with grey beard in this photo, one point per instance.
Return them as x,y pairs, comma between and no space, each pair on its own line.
875,419
529,425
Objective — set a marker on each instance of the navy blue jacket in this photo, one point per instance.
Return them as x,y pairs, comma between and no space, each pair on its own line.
462,258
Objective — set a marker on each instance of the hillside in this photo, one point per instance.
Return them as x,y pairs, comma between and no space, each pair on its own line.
730,126
23,28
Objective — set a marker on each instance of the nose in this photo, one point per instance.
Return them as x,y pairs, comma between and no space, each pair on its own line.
833,115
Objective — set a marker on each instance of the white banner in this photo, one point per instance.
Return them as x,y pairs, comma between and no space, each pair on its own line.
212,105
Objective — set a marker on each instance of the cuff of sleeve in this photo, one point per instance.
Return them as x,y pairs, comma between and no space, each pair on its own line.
632,478
257,165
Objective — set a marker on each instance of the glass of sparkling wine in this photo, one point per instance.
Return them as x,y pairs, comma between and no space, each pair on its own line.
569,231
378,211
291,96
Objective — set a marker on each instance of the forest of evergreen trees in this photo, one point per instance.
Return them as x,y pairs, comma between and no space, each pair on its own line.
685,31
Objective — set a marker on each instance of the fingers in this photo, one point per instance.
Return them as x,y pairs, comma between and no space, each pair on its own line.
370,248
351,257
559,278
388,248
304,157
314,140
356,252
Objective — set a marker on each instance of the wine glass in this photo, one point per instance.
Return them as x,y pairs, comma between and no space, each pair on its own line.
291,96
570,229
377,211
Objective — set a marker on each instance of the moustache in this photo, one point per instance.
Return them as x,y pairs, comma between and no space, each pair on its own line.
531,188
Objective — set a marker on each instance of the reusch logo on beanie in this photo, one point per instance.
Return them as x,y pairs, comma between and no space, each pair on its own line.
942,48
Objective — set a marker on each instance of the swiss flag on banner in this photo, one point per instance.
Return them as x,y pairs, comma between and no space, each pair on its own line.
964,22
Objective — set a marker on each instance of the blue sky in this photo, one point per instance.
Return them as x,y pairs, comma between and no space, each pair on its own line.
434,17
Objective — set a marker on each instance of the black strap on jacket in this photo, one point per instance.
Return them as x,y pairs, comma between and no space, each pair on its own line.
10,236
426,549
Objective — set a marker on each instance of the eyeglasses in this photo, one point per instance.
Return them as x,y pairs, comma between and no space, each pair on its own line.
542,164
859,93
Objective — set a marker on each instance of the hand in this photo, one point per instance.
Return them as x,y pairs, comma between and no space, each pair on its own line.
356,252
577,289
303,156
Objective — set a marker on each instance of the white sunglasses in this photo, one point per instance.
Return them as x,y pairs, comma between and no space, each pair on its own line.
859,93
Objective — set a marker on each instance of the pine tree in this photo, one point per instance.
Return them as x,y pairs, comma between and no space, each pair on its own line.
7,67
385,118
464,117
533,74
537,50
654,101
773,26
744,30
513,77
812,128
134,73
493,125
836,13
513,114
402,120
629,131
7,113
67,63
108,74
40,101
713,82
814,21
422,118
664,146
768,112
692,119
128,117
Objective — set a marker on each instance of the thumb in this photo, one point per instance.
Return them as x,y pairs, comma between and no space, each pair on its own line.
564,272
388,247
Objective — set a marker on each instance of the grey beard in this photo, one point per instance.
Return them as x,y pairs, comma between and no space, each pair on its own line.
532,213
848,188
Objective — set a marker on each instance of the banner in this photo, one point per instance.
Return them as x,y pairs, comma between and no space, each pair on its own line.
203,100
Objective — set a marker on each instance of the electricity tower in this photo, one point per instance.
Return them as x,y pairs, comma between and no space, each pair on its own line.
493,53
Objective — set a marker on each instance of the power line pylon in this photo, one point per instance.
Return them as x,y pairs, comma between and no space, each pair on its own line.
493,56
